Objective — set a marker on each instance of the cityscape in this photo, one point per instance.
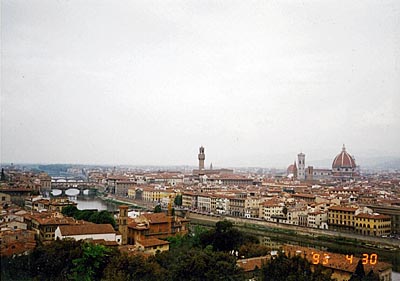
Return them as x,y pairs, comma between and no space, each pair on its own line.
200,140
343,204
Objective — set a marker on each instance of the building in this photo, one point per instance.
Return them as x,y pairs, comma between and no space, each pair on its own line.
341,218
201,171
301,167
201,157
152,245
89,231
373,224
45,224
5,199
16,242
393,212
155,226
122,222
344,166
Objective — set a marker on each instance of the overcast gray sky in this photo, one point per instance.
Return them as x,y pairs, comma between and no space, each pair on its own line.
148,82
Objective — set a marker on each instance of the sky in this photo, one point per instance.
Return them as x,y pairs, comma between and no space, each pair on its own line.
149,82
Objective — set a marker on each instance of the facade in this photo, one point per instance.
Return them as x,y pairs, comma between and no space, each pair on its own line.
393,212
45,224
341,218
373,224
271,209
157,225
189,200
152,246
204,202
237,206
5,199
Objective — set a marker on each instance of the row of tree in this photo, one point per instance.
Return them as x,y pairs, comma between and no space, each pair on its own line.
102,217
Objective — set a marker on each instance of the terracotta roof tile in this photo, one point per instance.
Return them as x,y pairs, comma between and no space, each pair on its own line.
82,229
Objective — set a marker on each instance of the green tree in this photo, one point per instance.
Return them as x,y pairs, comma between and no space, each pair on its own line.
3,175
157,209
124,268
225,238
359,273
50,262
282,268
178,200
69,211
89,266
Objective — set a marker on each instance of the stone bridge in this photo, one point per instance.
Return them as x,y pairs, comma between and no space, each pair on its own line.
79,185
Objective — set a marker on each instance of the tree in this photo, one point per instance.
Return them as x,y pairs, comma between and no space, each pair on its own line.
3,176
359,273
282,268
178,200
225,238
69,211
285,210
89,266
157,209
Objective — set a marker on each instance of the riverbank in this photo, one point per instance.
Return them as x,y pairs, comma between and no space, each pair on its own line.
336,244
118,200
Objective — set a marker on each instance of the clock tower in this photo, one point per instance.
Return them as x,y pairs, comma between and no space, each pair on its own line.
202,157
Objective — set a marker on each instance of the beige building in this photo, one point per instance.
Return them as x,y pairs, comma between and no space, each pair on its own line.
341,217
373,224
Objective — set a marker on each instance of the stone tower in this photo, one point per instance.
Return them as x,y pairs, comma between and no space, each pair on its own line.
301,167
123,223
202,157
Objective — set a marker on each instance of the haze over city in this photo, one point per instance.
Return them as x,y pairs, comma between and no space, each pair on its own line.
148,82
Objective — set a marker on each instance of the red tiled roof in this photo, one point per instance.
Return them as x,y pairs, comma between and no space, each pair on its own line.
156,218
82,229
343,208
151,242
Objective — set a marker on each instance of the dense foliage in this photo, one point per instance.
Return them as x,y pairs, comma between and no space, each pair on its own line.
89,215
157,209
178,200
201,255
295,268
226,238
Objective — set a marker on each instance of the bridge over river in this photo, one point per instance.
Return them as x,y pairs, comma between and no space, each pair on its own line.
80,186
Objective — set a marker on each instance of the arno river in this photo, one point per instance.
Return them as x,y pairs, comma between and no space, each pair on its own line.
87,202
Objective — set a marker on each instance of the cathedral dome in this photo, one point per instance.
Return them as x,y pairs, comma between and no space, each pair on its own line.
343,160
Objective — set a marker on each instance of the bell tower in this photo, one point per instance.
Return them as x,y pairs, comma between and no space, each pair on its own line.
122,222
202,157
301,168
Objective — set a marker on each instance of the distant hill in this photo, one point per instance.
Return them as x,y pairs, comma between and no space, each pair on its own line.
387,162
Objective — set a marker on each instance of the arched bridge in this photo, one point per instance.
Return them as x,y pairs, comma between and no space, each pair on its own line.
79,185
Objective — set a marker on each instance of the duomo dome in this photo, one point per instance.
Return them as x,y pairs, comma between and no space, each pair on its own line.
343,160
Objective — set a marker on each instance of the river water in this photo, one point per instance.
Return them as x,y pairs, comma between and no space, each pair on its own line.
87,202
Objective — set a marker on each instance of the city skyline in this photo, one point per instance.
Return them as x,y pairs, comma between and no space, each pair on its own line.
148,83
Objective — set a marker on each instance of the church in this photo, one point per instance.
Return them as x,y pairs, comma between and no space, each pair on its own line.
344,168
